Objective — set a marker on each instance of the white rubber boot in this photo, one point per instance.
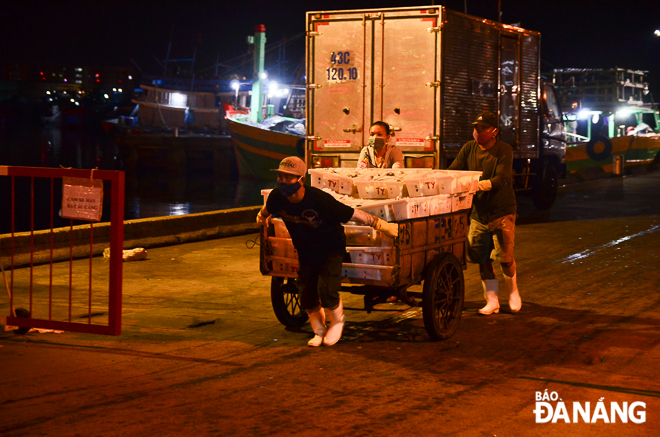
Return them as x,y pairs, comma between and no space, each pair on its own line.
335,325
515,302
317,320
492,302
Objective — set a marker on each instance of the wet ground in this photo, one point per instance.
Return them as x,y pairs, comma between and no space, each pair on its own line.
201,352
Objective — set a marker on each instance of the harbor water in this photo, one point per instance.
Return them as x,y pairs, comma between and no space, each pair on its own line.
151,190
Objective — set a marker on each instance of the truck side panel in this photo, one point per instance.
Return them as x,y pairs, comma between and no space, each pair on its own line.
487,66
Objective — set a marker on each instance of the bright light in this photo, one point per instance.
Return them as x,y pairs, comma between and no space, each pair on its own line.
272,86
623,113
285,91
235,85
48,92
120,90
657,33
584,114
106,96
73,101
595,118
130,77
178,99
263,75
114,90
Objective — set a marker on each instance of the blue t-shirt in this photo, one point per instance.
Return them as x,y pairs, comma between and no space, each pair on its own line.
314,223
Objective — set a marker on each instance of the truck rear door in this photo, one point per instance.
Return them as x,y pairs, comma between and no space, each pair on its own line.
369,65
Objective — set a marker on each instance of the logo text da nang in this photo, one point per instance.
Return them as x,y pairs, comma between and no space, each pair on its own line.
550,408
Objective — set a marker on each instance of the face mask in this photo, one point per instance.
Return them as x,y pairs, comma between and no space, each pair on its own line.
377,142
483,137
287,190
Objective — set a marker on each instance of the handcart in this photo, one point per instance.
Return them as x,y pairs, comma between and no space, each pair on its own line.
429,249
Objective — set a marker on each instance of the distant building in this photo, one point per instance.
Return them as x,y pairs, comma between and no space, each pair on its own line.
35,80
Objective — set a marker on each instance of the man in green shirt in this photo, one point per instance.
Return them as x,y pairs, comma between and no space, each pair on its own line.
493,215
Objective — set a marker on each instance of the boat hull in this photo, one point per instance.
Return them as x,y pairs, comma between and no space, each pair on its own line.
635,149
260,150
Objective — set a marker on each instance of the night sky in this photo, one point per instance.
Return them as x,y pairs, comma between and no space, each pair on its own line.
575,33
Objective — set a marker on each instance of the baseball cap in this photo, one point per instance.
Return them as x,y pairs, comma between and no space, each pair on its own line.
292,165
487,119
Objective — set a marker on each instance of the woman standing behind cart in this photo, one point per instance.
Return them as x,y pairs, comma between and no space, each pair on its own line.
379,153
313,218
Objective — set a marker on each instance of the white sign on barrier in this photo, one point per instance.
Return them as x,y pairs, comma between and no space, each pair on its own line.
82,199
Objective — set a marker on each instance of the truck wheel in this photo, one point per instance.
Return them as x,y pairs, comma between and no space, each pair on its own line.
286,304
442,297
546,185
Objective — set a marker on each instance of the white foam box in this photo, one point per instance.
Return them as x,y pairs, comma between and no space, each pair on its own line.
280,228
365,271
316,177
377,256
327,178
402,209
464,181
283,247
366,236
373,189
461,201
284,265
423,184
266,193
440,204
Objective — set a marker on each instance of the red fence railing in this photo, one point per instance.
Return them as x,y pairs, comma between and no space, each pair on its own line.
55,271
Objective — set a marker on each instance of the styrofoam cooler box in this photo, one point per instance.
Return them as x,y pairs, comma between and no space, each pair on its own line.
382,210
316,177
464,181
395,210
336,182
283,247
440,204
284,265
378,256
280,228
461,201
366,236
423,184
379,189
266,193
365,271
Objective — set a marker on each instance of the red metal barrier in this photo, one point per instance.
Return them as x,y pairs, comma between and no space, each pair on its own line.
54,310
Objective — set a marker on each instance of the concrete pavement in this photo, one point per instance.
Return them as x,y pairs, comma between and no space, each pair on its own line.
201,352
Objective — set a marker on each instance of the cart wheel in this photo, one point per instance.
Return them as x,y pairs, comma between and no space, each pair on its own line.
284,296
443,295
23,314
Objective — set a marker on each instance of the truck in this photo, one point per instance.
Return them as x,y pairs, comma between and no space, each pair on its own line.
429,71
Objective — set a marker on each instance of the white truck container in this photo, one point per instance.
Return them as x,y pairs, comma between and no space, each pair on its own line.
428,72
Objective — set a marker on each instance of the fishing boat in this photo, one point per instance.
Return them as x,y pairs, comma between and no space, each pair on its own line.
260,137
610,117
182,103
259,148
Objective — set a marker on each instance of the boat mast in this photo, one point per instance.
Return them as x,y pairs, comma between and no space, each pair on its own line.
257,89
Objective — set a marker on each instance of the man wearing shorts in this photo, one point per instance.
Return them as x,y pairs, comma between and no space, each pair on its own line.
493,215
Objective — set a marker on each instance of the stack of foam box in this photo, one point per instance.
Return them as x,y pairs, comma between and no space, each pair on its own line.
399,194
390,194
